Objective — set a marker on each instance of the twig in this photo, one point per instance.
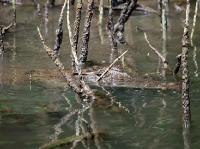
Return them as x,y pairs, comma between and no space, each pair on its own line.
155,50
111,65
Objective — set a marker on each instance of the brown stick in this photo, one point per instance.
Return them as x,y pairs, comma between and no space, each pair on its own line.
155,50
111,65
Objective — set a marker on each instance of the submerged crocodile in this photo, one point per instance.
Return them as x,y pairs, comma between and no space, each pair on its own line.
114,78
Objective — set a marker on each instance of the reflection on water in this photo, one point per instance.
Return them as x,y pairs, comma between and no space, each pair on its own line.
31,117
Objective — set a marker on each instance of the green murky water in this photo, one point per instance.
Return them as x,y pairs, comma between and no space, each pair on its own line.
29,111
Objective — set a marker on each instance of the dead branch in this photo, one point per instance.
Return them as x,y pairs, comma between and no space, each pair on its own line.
111,65
155,50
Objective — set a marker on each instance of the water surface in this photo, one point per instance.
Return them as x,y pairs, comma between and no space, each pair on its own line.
29,111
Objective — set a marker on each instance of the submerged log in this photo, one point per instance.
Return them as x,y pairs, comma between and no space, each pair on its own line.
52,78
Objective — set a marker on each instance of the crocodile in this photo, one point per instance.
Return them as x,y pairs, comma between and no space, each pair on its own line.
114,78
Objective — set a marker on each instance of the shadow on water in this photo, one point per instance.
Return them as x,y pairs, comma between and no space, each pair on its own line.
34,113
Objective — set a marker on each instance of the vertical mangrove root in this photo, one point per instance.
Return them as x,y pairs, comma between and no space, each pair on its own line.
86,32
185,70
76,31
119,27
110,27
59,31
85,92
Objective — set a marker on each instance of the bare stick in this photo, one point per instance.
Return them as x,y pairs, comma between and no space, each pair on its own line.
111,65
59,31
155,50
